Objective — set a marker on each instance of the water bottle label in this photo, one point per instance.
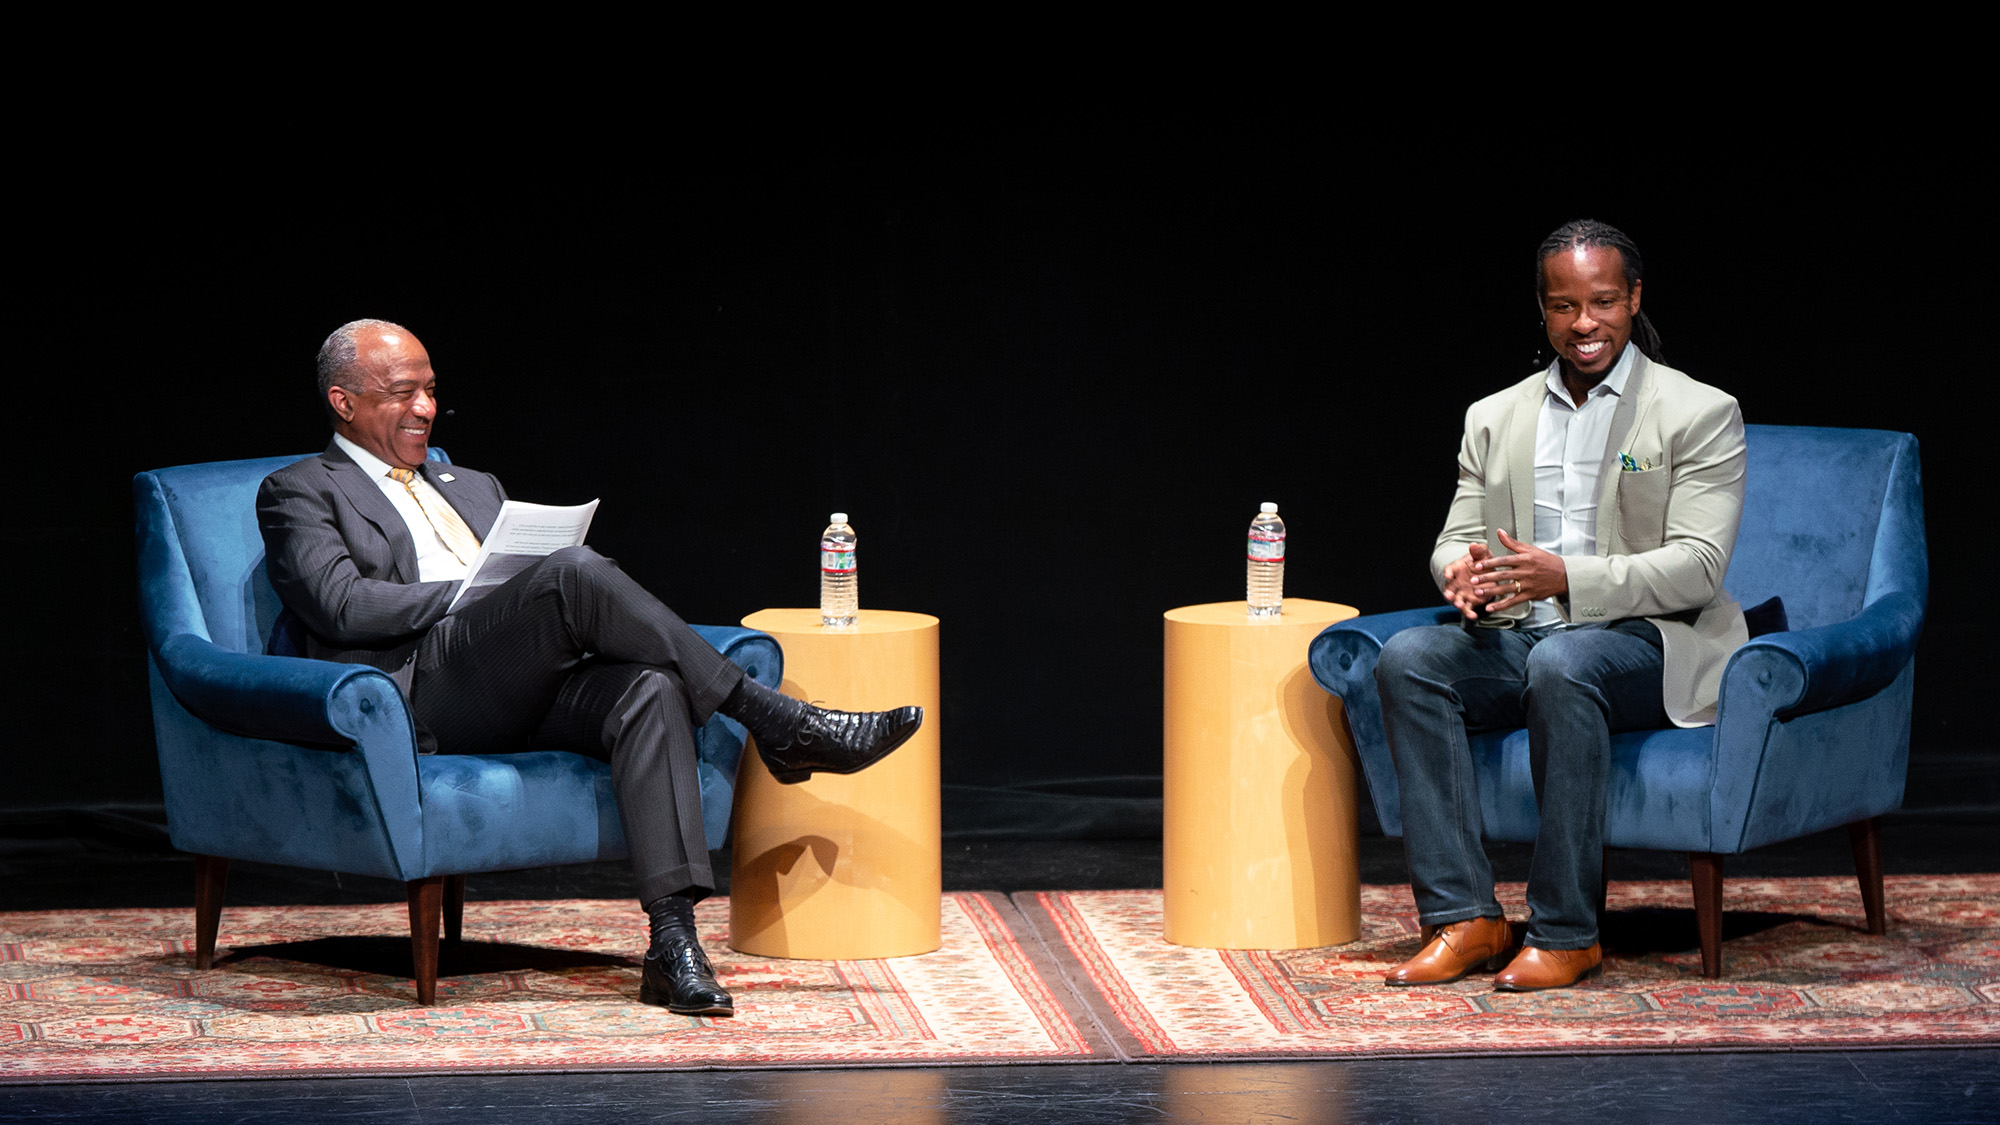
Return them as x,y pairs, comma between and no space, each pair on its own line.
837,562
1262,549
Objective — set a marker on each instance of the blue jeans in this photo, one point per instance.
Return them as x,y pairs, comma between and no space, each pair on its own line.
1571,688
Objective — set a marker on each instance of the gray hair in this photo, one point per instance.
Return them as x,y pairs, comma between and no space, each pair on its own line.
339,357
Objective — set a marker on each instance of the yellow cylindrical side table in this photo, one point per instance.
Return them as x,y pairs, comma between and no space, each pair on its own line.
1260,835
844,868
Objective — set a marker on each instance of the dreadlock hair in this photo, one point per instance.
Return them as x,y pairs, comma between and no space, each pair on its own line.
1595,235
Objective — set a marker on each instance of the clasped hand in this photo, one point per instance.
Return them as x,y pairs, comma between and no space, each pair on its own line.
1501,582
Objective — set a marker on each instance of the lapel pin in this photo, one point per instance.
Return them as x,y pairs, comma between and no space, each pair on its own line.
446,477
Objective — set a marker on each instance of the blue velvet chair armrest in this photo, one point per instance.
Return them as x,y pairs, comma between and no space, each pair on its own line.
756,653
285,698
1342,659
720,741
1812,729
1343,655
1382,626
1789,674
255,718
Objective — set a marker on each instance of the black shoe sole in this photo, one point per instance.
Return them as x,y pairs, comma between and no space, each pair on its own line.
648,996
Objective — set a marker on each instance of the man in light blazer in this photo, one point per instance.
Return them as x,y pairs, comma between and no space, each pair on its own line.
366,546
1597,505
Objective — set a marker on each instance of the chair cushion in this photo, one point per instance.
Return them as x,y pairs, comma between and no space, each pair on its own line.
1658,794
502,812
288,636
1767,617
1812,505
210,509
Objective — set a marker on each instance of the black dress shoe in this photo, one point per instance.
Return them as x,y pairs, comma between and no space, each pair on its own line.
679,978
797,739
826,741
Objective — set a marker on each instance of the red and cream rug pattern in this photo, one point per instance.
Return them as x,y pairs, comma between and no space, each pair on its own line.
114,995
1802,973
1083,976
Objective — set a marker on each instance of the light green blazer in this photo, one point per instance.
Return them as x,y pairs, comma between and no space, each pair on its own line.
1663,534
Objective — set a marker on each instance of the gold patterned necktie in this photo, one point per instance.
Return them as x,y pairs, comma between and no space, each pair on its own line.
457,537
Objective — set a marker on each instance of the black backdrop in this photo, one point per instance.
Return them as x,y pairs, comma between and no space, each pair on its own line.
1049,364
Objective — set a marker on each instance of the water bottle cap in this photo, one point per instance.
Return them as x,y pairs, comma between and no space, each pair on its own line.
1268,508
837,517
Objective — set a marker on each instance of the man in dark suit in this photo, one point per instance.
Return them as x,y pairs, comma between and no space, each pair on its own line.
366,546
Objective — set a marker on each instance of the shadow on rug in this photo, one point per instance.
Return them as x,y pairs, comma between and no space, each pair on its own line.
1800,971
386,956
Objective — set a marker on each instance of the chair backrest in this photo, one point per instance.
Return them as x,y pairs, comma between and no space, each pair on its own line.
201,559
1832,520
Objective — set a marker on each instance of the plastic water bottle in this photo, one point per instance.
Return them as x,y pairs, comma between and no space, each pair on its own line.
839,599
1266,562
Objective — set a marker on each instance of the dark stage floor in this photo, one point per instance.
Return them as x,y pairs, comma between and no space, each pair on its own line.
98,860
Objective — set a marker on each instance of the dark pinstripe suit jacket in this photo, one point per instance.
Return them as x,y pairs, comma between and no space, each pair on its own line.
342,560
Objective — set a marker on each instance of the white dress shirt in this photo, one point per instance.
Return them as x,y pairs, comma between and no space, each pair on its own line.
435,562
1569,460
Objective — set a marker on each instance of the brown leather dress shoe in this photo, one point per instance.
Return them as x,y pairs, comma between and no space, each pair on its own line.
1455,950
1549,968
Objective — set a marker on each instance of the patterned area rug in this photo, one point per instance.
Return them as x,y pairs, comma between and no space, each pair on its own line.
114,995
1800,971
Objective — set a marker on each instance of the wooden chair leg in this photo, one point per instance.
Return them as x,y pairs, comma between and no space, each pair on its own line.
1706,870
1866,838
454,907
426,911
211,876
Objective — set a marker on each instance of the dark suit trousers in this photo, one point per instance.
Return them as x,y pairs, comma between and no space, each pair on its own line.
572,654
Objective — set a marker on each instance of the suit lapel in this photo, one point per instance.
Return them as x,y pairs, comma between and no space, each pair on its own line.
1521,464
1632,406
474,502
367,498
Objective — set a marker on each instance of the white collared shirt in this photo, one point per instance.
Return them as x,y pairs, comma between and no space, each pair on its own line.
435,562
1569,461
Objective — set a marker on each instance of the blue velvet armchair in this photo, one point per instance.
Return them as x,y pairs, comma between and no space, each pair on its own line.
1813,728
314,764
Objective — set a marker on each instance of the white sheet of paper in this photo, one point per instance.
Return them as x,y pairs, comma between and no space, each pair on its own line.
521,534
